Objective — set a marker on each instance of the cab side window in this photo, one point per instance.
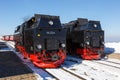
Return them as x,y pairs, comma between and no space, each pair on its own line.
30,24
17,29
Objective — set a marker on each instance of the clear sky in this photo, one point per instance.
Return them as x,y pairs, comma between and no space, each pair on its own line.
14,12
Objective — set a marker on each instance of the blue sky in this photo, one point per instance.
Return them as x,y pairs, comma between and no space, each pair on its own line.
13,13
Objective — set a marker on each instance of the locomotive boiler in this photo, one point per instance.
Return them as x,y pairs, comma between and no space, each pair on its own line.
43,40
85,38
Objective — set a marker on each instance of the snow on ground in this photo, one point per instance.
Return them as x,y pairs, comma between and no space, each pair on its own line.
42,75
0,37
112,47
89,70
94,70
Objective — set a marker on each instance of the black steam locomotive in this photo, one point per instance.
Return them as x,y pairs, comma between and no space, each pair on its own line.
43,40
85,38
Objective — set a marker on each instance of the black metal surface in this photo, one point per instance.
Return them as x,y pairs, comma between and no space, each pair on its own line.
95,41
52,44
11,65
84,33
36,30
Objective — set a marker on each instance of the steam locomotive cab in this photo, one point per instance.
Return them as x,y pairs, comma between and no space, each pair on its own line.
43,40
85,38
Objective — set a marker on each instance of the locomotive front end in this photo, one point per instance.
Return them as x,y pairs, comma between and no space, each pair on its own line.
49,41
85,38
93,41
43,40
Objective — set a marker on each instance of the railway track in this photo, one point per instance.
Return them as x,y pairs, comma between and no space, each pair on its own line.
106,64
43,73
64,74
49,72
69,72
117,65
77,75
113,62
75,60
53,76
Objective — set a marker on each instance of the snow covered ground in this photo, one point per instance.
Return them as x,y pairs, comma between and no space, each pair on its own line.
88,70
113,47
0,37
93,70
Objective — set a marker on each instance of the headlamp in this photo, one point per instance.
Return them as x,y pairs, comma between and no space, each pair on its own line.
39,46
63,45
87,43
